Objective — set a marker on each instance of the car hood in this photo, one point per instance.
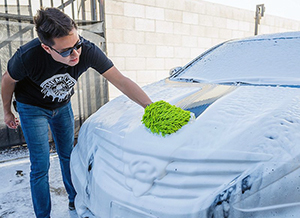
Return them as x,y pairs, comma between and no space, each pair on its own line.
244,118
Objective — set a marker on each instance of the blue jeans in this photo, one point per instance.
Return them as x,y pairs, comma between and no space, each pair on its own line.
34,122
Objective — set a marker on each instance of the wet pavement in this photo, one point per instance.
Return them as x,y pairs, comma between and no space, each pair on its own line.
15,197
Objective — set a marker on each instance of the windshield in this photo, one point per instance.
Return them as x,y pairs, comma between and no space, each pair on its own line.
259,60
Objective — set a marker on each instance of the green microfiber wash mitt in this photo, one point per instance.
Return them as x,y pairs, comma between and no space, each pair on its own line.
162,117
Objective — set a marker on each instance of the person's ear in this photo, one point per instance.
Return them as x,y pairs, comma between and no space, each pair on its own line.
46,48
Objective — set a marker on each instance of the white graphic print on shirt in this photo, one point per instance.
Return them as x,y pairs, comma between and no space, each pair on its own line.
58,86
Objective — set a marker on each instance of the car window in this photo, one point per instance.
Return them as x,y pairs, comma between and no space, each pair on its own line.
258,60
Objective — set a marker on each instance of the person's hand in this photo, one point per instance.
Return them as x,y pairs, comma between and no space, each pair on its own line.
11,121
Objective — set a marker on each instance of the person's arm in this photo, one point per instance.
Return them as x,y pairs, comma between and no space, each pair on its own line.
7,89
127,86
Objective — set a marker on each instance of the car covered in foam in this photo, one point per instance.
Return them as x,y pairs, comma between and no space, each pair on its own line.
239,157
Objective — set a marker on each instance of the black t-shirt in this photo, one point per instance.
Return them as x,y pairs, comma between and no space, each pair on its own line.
46,83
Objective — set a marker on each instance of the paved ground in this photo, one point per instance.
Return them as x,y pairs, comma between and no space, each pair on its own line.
15,198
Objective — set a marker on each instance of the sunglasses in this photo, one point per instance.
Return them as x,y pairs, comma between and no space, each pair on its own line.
70,50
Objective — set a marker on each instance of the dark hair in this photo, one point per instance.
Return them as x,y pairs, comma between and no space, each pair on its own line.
52,23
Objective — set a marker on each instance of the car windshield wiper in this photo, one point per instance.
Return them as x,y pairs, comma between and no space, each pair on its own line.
242,83
253,82
189,80
234,83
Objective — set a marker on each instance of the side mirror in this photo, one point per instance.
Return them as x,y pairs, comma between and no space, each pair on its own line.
174,70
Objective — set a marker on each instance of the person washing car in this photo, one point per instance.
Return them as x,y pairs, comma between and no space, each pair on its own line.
42,74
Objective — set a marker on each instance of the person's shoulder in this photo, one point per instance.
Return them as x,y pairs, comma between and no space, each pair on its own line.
32,46
90,50
87,44
93,56
24,59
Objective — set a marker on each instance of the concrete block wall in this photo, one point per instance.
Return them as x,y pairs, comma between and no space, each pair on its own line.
146,38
